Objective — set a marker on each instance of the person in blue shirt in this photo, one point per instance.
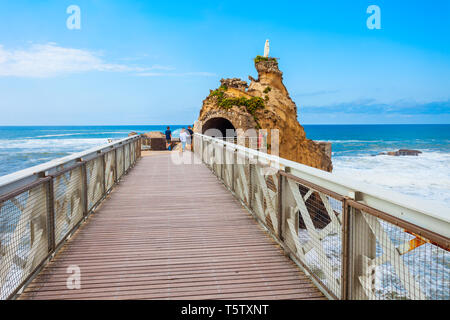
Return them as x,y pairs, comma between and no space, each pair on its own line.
168,134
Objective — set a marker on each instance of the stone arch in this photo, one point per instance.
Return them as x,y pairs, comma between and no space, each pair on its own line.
232,118
221,124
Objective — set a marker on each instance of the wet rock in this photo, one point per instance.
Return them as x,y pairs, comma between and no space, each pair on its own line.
401,152
156,140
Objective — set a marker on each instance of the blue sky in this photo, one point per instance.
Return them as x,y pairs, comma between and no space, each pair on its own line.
153,62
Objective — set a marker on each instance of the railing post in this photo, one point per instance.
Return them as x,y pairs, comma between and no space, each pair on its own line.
102,156
138,156
362,245
345,267
203,149
250,181
132,151
116,173
223,163
286,203
280,206
51,215
213,157
129,155
233,169
123,159
84,188
138,151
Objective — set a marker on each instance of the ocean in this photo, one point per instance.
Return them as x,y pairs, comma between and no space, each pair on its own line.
353,151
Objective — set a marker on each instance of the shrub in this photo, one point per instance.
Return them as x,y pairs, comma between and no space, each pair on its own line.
262,58
251,105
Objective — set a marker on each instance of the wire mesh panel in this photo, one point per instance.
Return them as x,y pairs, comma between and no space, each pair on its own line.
228,167
218,161
198,145
94,174
211,155
208,153
68,202
213,162
23,236
131,146
120,165
390,262
110,169
242,178
313,231
136,150
264,195
133,151
126,154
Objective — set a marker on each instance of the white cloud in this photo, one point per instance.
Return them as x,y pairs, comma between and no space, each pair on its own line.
159,67
50,60
182,74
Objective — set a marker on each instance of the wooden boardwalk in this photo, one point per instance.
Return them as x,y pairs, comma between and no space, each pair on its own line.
172,232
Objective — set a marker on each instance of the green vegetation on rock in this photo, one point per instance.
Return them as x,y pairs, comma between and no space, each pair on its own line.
261,58
250,104
267,89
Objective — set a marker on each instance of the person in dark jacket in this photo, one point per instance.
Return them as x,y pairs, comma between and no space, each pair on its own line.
168,134
190,138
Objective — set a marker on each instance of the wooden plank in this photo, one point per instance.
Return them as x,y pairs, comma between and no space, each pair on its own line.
172,231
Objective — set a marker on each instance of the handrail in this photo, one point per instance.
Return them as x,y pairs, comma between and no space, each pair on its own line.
354,240
425,213
19,178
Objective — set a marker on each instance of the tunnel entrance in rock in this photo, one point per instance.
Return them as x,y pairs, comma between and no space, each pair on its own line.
219,128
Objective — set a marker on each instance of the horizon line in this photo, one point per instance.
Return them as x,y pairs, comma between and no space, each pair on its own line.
185,124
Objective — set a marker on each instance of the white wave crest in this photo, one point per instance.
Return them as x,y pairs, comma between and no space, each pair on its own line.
50,144
426,176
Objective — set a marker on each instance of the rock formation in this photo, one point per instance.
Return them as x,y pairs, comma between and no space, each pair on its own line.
401,152
263,104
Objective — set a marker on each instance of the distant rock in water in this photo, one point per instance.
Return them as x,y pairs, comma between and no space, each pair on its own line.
401,152
154,134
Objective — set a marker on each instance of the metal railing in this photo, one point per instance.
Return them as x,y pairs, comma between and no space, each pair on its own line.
355,241
41,207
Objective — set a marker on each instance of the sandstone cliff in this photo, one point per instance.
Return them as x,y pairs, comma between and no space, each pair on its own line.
264,104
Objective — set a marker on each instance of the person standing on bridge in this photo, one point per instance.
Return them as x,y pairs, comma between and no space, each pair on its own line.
190,138
168,134
183,139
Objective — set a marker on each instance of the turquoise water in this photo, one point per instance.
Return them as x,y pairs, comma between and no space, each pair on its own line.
426,176
23,147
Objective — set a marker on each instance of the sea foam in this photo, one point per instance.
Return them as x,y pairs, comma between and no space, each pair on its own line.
425,176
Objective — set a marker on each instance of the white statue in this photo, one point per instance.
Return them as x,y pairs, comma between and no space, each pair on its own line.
266,49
